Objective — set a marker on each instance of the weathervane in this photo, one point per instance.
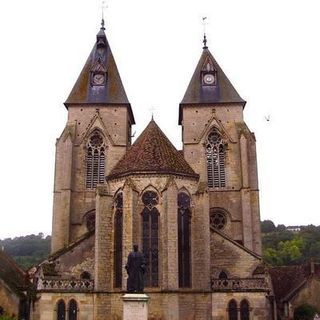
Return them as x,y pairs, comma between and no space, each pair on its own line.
204,22
152,109
103,7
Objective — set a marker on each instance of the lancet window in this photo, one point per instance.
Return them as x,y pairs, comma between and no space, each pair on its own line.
61,310
150,237
232,310
95,160
73,310
118,226
244,310
215,153
184,218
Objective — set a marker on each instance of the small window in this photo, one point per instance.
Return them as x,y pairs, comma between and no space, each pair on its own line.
1,311
61,310
90,219
232,310
85,275
73,310
223,275
244,310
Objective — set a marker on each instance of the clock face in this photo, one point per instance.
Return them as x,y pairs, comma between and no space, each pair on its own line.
209,78
99,79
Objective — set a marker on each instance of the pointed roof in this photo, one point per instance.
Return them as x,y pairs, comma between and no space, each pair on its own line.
111,90
222,91
152,153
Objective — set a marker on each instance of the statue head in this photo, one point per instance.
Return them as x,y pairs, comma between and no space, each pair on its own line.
135,248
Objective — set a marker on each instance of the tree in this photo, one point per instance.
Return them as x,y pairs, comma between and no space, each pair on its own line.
267,226
305,312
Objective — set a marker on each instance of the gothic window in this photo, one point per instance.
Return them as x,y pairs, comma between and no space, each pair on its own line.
184,216
73,310
61,310
218,218
1,311
244,310
232,310
215,153
95,160
150,237
118,226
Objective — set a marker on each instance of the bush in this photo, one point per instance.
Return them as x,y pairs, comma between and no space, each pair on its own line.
305,312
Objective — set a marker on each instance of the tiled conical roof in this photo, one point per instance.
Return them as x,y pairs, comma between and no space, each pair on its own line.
199,93
108,92
152,153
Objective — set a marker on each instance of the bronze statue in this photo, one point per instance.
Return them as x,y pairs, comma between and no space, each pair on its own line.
136,267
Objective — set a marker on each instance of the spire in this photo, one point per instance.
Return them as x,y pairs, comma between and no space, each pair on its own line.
99,81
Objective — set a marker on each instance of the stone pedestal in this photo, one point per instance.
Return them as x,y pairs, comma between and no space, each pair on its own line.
135,306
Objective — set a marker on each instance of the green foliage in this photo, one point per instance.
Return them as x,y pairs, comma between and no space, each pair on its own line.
6,317
267,226
305,312
27,250
283,247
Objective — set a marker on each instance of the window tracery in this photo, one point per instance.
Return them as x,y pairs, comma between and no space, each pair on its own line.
218,218
150,237
118,229
184,218
95,160
215,154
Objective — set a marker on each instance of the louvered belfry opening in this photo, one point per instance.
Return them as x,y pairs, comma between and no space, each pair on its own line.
184,218
150,237
95,160
215,153
232,310
118,228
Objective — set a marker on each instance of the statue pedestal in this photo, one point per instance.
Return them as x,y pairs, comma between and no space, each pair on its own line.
135,306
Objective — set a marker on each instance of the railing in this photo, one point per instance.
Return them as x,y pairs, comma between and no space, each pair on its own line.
68,285
246,284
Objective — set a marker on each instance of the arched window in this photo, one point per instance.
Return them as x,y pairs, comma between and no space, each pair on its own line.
85,275
223,275
244,310
232,310
215,153
73,310
184,215
95,160
150,237
118,225
1,311
61,310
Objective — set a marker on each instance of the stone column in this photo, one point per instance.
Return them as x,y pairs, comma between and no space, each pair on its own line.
135,306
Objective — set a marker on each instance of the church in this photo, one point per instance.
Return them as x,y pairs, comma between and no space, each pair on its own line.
194,213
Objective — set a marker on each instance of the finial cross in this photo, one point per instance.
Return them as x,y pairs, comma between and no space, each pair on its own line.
103,7
152,110
204,22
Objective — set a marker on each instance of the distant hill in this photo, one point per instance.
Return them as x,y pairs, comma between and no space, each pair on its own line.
281,245
27,250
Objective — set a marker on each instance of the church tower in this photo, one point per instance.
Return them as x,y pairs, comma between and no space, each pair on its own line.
96,136
219,146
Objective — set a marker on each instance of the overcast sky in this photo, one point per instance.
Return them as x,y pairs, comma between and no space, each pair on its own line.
269,50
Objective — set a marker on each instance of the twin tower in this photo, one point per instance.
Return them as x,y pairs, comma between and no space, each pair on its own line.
193,212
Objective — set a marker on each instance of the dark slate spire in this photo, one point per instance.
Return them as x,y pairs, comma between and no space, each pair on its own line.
152,153
209,84
99,81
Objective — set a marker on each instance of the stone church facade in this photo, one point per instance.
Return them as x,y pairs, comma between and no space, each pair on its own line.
194,213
